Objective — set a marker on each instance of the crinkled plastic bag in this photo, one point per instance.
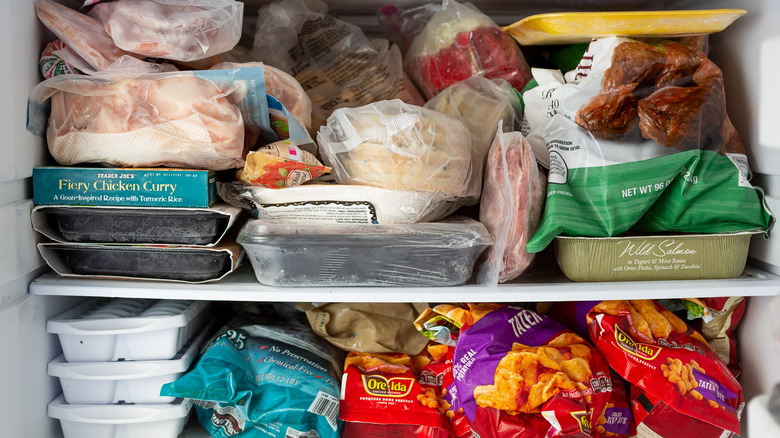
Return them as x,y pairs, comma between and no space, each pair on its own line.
368,327
392,145
334,61
185,119
482,104
638,139
179,30
401,25
511,207
87,47
265,375
460,42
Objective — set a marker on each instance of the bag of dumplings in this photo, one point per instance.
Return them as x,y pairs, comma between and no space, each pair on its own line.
637,138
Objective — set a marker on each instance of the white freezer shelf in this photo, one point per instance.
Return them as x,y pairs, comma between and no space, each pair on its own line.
242,285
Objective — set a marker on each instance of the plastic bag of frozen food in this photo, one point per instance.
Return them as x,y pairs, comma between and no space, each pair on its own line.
481,104
191,119
520,374
87,47
52,63
334,61
460,42
393,145
368,327
672,365
511,206
638,139
400,25
266,375
180,30
281,164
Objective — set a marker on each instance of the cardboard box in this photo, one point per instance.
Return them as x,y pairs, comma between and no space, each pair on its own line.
124,187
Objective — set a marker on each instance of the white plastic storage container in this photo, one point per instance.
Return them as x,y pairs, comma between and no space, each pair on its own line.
122,381
424,254
120,421
103,330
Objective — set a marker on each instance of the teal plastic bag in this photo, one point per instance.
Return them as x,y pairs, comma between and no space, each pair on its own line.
636,143
261,380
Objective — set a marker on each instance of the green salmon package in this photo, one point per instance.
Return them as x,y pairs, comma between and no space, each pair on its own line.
262,380
637,139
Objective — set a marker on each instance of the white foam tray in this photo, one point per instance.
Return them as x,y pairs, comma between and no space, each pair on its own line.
104,330
124,381
120,421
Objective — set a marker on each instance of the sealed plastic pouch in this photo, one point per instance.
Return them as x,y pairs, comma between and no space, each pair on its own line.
180,30
393,145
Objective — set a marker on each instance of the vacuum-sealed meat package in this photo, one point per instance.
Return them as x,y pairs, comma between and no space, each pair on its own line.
459,42
637,138
335,62
511,206
265,375
179,30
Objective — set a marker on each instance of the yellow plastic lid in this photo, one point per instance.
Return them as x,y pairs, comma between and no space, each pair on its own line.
580,27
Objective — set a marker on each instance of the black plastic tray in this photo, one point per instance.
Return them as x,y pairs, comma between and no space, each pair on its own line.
142,262
155,226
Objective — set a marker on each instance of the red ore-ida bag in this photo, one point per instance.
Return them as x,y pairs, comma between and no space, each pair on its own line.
684,388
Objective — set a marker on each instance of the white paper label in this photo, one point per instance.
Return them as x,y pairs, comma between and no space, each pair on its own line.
322,212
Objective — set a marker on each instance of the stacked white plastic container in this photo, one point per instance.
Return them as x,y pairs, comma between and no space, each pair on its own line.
117,353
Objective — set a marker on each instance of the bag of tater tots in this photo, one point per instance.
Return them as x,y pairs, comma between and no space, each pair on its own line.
672,366
519,374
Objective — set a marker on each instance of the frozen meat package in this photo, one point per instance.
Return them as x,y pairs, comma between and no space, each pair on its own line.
205,119
459,42
179,30
637,138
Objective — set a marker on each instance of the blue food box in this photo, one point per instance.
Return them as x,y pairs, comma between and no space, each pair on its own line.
124,187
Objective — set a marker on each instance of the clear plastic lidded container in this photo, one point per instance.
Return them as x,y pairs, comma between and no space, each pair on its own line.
424,254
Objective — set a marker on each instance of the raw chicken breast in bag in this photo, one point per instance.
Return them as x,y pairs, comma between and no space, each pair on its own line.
179,30
637,138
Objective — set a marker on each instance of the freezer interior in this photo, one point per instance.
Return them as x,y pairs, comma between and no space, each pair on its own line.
746,52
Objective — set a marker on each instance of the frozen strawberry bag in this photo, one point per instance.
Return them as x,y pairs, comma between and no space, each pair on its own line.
520,374
460,42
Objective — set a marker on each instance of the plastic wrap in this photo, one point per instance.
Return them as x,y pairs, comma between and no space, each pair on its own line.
279,165
334,61
511,206
393,145
485,106
460,42
87,47
638,139
180,30
204,119
424,254
52,64
401,25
